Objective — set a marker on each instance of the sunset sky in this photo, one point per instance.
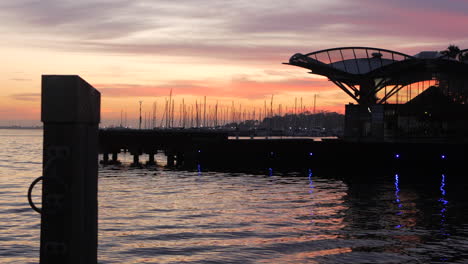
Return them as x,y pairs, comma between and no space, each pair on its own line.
224,50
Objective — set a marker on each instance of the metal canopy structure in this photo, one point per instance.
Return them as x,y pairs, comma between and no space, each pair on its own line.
365,73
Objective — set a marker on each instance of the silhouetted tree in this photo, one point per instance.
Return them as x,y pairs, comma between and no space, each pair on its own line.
451,51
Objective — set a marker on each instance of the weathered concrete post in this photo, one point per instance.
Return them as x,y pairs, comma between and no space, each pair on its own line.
70,113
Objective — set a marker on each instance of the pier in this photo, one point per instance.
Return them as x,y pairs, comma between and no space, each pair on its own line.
179,145
408,111
186,148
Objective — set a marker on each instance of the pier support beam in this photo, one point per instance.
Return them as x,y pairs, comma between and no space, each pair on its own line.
70,113
136,151
136,160
170,160
151,160
189,159
180,159
114,157
105,158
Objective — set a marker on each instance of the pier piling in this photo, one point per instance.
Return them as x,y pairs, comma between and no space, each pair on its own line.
170,160
105,158
151,160
136,160
180,159
114,158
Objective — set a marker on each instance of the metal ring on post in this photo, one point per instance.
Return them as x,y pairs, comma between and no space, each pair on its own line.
31,187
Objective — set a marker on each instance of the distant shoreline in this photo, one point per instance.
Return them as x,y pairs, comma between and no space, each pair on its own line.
21,127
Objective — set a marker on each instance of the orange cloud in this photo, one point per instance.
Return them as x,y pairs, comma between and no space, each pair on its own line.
26,112
256,90
237,88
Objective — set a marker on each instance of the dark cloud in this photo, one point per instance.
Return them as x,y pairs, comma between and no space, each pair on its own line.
363,20
79,19
455,7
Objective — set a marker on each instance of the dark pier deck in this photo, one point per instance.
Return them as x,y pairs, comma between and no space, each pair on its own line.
213,150
179,145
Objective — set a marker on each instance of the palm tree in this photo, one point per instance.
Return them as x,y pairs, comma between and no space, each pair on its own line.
451,52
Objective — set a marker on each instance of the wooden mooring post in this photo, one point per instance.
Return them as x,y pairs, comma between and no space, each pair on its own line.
71,114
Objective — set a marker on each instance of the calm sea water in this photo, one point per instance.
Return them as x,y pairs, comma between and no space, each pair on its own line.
156,215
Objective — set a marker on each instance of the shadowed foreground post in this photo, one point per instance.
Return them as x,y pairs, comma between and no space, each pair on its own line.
70,113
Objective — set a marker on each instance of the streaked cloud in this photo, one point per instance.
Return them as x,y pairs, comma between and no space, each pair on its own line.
241,87
78,19
233,30
21,79
34,97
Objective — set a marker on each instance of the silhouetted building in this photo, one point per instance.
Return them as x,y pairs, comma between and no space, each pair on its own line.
397,97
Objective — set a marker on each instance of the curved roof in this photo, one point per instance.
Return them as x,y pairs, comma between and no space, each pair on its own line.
363,71
350,60
355,64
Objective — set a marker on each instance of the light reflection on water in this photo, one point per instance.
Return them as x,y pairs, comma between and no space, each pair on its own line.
156,215
220,217
397,197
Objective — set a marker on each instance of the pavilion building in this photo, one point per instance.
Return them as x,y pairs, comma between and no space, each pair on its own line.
397,97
